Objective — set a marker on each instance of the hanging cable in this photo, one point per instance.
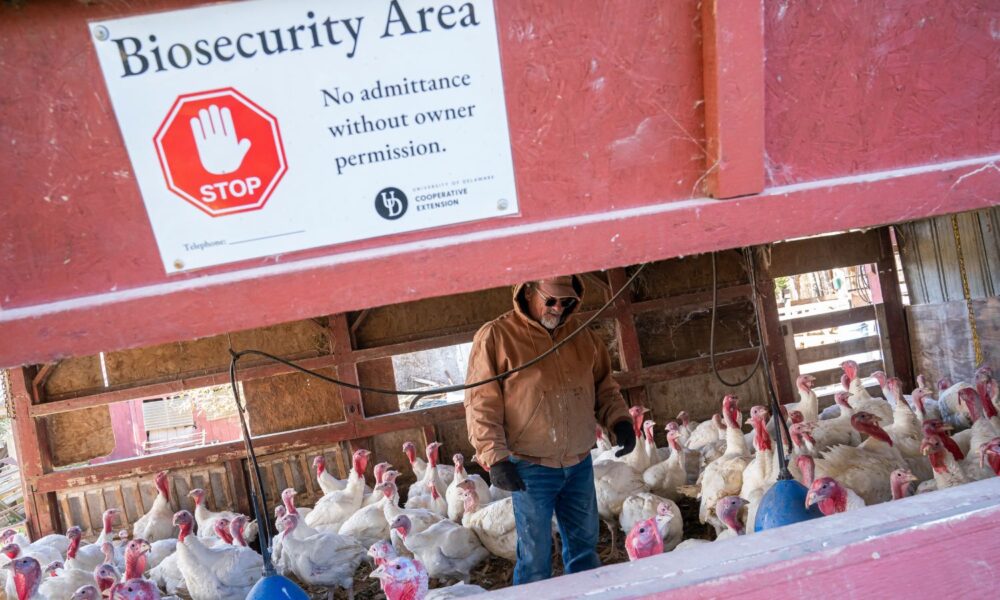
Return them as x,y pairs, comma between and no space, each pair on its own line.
256,489
449,388
711,333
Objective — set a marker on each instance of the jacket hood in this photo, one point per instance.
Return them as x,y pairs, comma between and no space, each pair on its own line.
520,302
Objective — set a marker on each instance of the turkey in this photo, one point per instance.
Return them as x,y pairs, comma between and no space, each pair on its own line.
808,403
685,426
656,454
216,573
728,509
838,430
86,592
989,455
136,589
643,540
900,480
328,483
940,429
380,552
665,477
368,524
421,493
947,471
65,583
707,432
492,523
456,505
323,559
866,468
158,523
288,503
603,445
420,518
952,410
448,550
762,472
692,459
724,476
905,431
639,459
614,481
24,579
649,506
446,472
984,419
860,399
40,555
106,576
405,579
206,518
335,508
832,497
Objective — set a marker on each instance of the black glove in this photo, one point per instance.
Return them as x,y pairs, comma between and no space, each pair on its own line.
504,476
625,437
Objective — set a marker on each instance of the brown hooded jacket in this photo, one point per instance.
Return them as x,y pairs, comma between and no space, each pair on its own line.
546,413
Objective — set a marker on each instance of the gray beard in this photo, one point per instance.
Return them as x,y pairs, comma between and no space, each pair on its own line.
549,322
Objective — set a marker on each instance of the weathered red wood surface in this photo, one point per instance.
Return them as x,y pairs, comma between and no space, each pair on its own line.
938,545
733,48
605,106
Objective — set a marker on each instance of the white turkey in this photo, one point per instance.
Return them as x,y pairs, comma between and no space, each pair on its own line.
724,476
158,523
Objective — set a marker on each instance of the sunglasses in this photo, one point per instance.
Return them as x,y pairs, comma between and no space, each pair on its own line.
551,301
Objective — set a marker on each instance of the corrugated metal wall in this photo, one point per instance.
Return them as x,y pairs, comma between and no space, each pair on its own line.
930,257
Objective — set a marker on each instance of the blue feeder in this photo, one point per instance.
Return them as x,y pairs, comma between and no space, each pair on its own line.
273,587
784,504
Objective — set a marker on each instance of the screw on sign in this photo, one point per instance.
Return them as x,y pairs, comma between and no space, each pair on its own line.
220,152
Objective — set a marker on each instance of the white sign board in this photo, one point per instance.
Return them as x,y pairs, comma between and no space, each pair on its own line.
259,128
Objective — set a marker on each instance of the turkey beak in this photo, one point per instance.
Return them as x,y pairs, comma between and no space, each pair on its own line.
376,574
912,477
146,548
811,498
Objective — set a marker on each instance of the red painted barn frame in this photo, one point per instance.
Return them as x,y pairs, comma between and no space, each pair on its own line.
641,130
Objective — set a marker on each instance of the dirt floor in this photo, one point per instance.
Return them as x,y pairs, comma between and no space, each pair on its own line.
496,573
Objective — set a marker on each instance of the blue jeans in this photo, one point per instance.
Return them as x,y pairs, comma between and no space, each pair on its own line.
570,493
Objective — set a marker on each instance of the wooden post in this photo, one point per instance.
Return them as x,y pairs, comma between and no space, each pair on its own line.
630,353
894,326
40,508
774,339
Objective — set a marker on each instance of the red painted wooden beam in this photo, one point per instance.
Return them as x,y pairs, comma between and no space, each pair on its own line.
733,49
265,295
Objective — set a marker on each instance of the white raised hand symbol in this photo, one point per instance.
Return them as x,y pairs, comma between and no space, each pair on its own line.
219,148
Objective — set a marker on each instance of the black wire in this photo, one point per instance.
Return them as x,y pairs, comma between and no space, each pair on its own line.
449,388
257,490
711,334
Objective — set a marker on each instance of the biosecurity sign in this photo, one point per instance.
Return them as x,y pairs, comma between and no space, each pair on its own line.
260,128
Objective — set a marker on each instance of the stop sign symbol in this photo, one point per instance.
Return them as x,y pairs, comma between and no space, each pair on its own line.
220,152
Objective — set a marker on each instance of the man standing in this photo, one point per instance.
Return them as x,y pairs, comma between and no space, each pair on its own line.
535,428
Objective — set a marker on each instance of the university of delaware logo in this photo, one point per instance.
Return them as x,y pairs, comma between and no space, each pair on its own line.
391,203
